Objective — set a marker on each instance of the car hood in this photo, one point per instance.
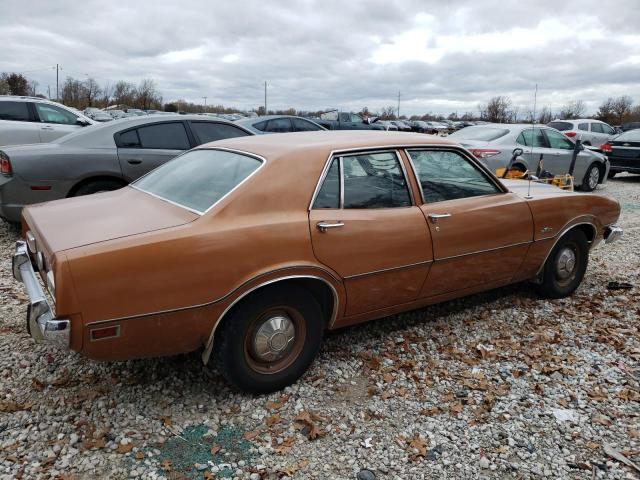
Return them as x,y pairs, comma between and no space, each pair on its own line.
522,188
75,222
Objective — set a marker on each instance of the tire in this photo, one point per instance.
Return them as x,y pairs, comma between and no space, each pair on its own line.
591,178
572,250
257,367
611,174
97,186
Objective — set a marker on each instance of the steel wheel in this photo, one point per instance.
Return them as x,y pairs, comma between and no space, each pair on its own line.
566,265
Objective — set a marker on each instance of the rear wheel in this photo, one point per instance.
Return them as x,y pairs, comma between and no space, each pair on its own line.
611,174
591,178
565,268
270,339
97,186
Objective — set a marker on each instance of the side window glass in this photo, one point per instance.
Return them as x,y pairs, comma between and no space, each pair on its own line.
607,129
278,125
165,136
583,126
344,117
532,137
129,139
558,140
355,118
446,175
262,126
374,180
51,114
304,126
596,127
210,132
16,111
329,194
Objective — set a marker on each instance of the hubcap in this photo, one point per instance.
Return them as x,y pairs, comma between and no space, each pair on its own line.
566,263
594,176
274,338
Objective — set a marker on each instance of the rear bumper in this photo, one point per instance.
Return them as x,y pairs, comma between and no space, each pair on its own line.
41,322
613,233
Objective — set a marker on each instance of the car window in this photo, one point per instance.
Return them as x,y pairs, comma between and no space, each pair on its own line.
596,127
345,117
209,131
558,140
129,139
355,118
53,114
607,129
17,111
167,136
329,194
562,126
374,180
486,134
304,125
199,178
260,125
532,137
581,126
447,175
279,125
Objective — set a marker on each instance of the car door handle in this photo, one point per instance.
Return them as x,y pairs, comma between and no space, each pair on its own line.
134,161
434,217
47,127
324,226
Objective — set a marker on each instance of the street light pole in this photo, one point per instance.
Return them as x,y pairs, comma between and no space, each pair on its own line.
265,97
205,103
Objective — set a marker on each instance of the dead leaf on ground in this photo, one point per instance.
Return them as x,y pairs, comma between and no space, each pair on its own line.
307,421
285,446
166,465
251,435
139,455
9,406
208,475
273,419
125,448
291,470
215,448
166,421
277,404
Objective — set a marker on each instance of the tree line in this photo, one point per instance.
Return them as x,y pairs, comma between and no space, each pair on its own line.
145,95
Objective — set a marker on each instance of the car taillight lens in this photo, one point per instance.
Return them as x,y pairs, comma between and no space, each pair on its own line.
484,152
5,165
569,134
606,147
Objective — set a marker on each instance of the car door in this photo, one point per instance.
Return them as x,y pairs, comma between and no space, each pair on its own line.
18,125
345,121
598,137
561,151
365,226
534,147
55,122
608,133
480,231
143,148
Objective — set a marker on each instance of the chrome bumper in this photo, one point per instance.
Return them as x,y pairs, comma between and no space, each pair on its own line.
41,323
612,233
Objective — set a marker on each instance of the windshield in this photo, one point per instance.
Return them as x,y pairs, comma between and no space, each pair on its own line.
199,178
485,134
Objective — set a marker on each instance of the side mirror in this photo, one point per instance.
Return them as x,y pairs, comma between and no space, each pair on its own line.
82,123
579,145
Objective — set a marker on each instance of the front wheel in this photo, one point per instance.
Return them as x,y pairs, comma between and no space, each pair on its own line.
97,186
566,265
591,178
270,339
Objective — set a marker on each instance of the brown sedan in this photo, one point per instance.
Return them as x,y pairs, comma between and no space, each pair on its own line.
251,248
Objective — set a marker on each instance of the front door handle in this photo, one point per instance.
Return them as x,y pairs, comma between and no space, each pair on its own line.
324,226
47,127
134,161
434,217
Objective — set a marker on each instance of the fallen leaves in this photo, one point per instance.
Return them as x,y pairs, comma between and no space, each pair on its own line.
166,465
277,404
273,419
285,446
215,448
291,470
139,455
10,406
416,446
124,448
307,424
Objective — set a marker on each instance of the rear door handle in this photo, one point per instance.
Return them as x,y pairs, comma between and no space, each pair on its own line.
434,217
47,127
134,161
324,226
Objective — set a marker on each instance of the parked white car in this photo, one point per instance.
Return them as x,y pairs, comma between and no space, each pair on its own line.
590,131
36,120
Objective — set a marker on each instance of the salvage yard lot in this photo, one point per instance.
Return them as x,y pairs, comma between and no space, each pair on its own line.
497,385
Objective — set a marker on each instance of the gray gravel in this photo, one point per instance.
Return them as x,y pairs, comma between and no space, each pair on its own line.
498,385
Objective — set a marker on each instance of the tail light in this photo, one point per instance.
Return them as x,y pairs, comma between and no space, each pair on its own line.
569,134
606,148
5,165
484,152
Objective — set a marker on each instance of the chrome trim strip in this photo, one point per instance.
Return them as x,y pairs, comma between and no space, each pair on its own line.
425,262
341,170
207,351
263,161
559,236
206,304
483,251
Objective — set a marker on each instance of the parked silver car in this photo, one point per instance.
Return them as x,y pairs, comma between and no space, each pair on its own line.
35,120
103,157
494,143
589,131
278,124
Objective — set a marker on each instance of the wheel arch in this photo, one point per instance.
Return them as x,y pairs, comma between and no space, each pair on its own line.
588,228
95,178
322,290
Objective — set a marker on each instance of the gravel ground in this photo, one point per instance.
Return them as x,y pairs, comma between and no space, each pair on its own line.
497,385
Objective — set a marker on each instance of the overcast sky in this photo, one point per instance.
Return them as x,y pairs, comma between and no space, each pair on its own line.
442,56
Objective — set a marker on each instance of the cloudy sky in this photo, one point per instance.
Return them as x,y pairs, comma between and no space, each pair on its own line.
442,56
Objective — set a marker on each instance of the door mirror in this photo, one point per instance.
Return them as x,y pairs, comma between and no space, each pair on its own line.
82,122
579,145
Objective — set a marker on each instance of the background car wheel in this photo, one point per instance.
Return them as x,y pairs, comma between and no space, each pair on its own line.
566,265
97,186
270,339
591,178
611,174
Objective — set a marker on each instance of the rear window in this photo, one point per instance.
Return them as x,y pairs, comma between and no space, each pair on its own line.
17,111
485,134
562,126
199,178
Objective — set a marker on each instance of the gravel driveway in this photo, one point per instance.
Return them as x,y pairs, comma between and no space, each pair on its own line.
498,385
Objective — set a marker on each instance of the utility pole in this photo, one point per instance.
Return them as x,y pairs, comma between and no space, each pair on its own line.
265,97
398,104
57,84
205,103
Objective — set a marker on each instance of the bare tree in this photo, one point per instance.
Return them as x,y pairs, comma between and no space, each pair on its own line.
572,110
147,95
107,93
497,110
4,85
74,93
92,90
124,93
622,108
545,115
388,113
18,83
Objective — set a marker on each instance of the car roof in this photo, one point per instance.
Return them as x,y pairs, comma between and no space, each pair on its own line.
574,120
324,142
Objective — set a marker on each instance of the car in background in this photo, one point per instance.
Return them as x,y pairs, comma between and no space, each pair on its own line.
36,120
136,111
494,143
385,124
436,128
278,124
629,126
590,132
623,153
97,114
335,120
402,125
241,250
101,158
117,114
